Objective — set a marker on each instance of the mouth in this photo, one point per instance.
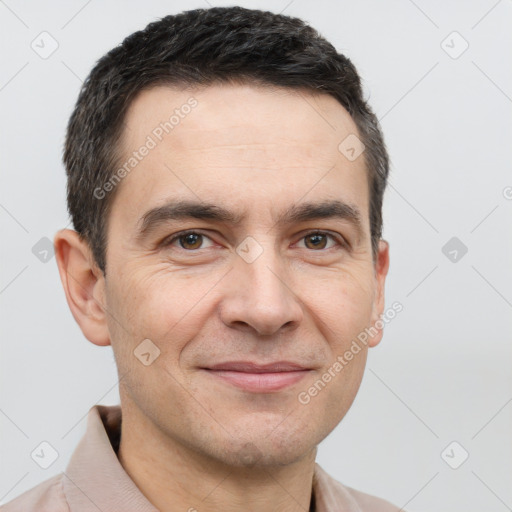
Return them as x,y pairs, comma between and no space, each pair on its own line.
259,378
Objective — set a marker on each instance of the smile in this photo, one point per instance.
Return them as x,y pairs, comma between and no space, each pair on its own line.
257,378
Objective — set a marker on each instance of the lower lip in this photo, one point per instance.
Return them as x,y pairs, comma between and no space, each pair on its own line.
260,382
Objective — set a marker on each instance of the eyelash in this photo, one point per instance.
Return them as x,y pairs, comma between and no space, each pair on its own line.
341,243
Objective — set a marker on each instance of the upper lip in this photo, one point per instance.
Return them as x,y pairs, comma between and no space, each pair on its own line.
250,367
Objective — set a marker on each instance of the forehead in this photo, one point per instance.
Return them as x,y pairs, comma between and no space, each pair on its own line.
242,113
242,146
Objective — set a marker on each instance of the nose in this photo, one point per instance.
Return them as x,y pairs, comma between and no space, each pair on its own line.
260,297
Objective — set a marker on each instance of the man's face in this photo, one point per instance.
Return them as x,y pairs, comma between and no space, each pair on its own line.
215,296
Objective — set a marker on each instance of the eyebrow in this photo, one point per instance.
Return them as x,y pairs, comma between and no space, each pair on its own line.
187,209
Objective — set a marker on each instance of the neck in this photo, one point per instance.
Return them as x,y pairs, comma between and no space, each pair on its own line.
174,477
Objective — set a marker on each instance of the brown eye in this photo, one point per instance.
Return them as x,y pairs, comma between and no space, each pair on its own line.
191,241
316,241
319,240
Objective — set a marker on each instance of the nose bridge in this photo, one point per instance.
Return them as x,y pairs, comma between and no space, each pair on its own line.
262,271
260,295
265,276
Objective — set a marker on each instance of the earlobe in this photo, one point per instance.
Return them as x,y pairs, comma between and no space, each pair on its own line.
84,285
381,271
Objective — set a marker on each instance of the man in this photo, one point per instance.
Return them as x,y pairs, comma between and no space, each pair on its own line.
225,181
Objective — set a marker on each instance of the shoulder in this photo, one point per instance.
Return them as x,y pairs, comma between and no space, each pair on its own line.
368,502
48,496
333,495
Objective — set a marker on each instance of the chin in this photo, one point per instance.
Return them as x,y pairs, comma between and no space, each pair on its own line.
251,457
280,449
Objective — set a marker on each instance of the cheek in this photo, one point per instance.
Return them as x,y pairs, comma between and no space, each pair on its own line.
162,306
345,385
166,311
346,312
342,304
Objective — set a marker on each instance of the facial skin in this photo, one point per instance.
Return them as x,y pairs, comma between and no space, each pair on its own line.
188,434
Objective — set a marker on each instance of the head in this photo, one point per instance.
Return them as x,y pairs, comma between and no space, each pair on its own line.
225,182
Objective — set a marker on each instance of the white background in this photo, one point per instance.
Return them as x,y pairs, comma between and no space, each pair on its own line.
443,371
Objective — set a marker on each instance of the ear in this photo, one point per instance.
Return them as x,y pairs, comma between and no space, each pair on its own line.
381,271
84,285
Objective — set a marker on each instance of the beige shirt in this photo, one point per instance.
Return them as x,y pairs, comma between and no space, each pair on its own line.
95,481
